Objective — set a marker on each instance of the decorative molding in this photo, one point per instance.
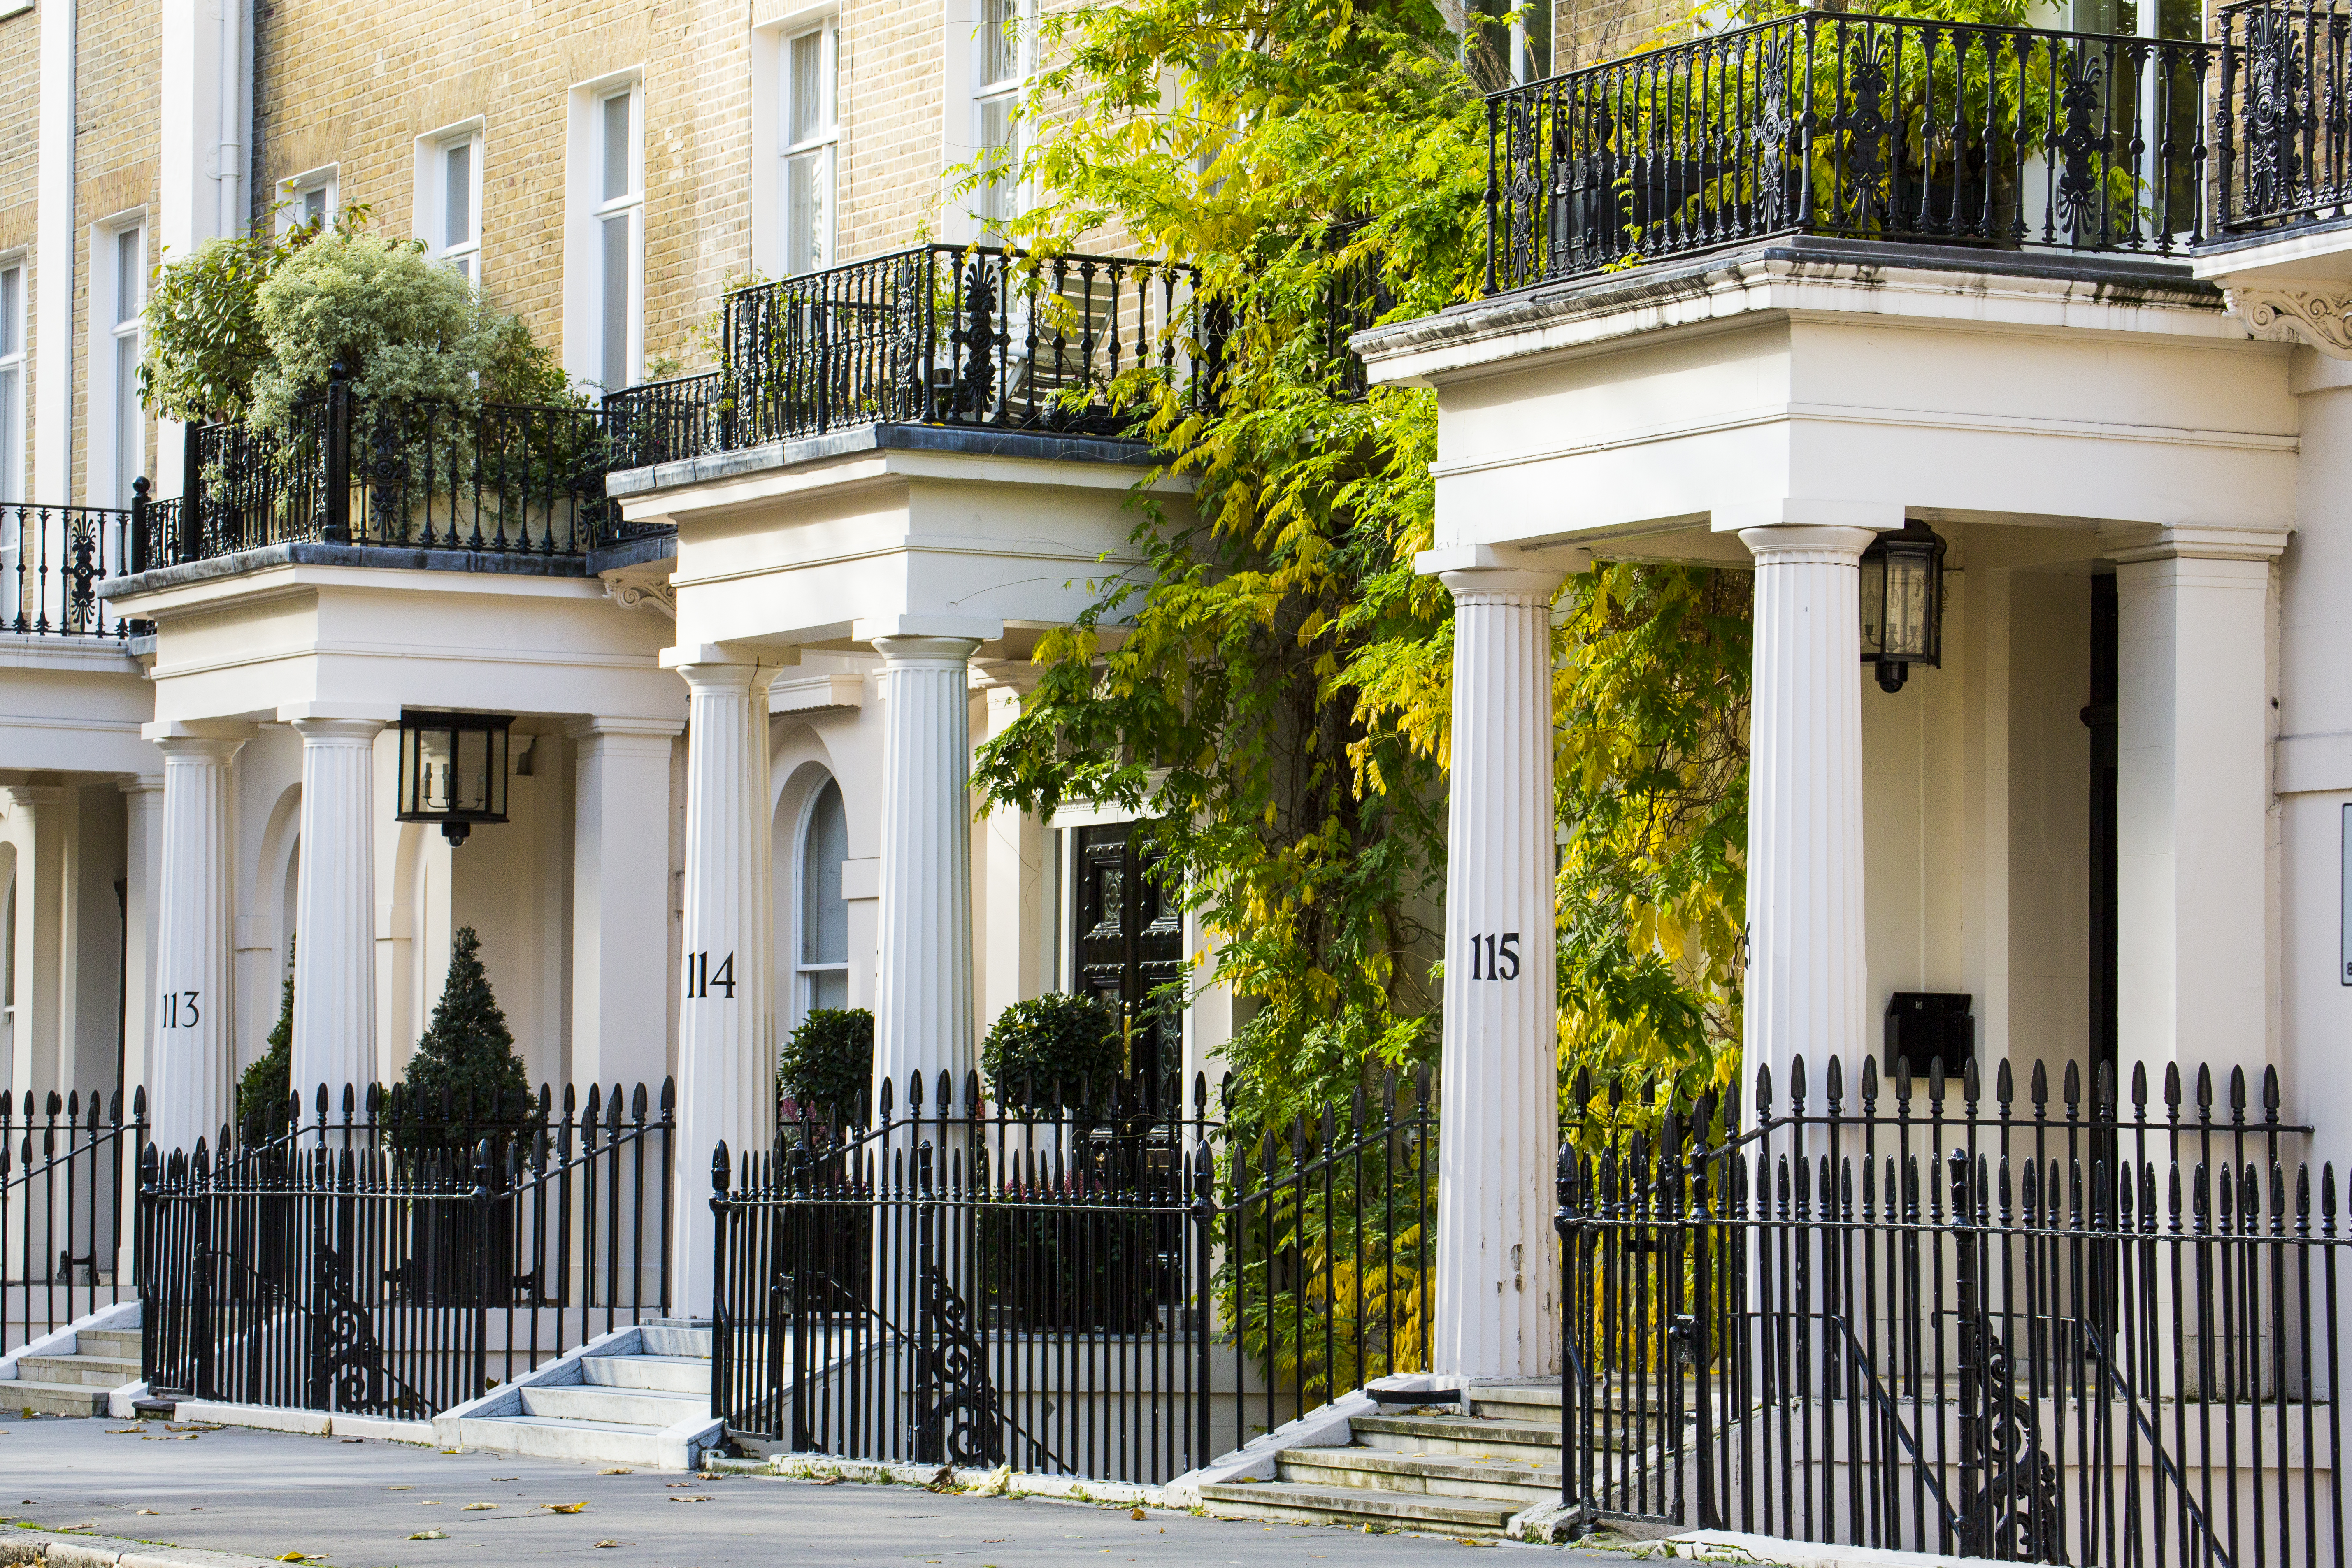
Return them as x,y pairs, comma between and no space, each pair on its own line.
648,591
2321,319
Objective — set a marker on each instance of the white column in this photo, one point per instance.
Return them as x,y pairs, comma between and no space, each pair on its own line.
40,1059
923,992
1497,1313
620,902
191,1050
1808,974
334,901
142,831
726,1032
1008,904
2192,730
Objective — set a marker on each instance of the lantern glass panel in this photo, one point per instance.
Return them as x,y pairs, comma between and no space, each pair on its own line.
470,786
437,762
1874,605
1908,623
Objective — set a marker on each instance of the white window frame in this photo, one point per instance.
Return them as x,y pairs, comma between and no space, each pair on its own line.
16,365
588,209
804,973
432,186
822,148
294,192
1005,93
108,468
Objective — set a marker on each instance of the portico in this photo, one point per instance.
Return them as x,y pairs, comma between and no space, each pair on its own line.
1775,409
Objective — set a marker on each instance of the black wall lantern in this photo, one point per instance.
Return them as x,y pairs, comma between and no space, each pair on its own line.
1903,603
453,769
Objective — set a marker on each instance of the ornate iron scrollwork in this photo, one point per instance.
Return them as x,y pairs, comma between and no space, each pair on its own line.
348,1362
2277,107
83,570
2079,144
2010,1507
1863,120
957,1418
976,342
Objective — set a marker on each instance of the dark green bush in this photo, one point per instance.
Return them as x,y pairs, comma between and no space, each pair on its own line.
265,1091
466,1060
828,1062
1039,1051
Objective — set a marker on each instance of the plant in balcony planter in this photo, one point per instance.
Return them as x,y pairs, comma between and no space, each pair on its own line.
1055,1051
826,1066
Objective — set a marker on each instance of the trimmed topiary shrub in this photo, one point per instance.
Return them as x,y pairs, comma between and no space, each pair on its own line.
828,1063
466,1059
265,1090
1040,1050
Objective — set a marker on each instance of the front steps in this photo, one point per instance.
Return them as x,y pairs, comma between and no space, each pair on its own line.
641,1397
75,1382
1426,1468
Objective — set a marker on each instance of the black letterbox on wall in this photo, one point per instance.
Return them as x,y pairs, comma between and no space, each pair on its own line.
1923,1027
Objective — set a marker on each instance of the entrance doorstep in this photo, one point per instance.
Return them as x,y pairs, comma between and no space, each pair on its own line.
1732,1546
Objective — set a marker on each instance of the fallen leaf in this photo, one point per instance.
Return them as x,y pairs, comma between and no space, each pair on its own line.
354,1439
506,1477
563,1507
608,1543
430,1535
703,1499
146,1510
118,1431
477,1506
616,1472
297,1557
400,1489
1135,1513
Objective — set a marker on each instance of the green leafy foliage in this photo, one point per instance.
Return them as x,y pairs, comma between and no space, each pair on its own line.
265,1090
467,1056
827,1061
1055,1049
243,328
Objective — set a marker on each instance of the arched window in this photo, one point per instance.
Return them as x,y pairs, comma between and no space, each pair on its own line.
823,961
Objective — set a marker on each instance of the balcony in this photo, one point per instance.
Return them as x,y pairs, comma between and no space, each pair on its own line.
52,559
1880,128
936,335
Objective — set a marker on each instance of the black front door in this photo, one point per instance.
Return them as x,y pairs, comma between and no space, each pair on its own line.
1129,943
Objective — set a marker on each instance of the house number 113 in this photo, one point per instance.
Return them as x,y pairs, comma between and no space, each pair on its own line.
1495,957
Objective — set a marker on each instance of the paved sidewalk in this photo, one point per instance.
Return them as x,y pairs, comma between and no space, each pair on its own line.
356,1504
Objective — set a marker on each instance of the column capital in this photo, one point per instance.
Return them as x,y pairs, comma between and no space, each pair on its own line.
378,713
1807,545
933,652
326,731
2128,543
136,784
604,727
175,736
1483,570
706,659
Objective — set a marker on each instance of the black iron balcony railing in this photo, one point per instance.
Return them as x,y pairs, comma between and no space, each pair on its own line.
1857,126
500,479
55,556
943,335
2285,124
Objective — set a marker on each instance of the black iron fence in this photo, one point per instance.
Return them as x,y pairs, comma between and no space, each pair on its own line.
2098,1330
54,557
396,1259
663,421
65,1161
2285,153
1092,1280
1838,122
943,335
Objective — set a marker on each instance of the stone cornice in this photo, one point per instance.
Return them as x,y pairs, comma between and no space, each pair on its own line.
2321,319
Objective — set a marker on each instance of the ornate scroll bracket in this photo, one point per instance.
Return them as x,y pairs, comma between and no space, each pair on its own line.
631,591
2321,319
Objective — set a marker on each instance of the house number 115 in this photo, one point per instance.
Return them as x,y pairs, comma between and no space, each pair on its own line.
1495,957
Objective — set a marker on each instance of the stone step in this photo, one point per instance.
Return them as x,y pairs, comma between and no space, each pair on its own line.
673,1374
1479,1436
1517,1401
124,1342
1357,1505
1516,1482
91,1371
53,1398
649,1407
678,1339
548,1438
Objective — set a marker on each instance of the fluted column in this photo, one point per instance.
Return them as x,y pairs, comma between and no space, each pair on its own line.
726,1044
189,1054
1497,1313
334,905
923,1011
1807,977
